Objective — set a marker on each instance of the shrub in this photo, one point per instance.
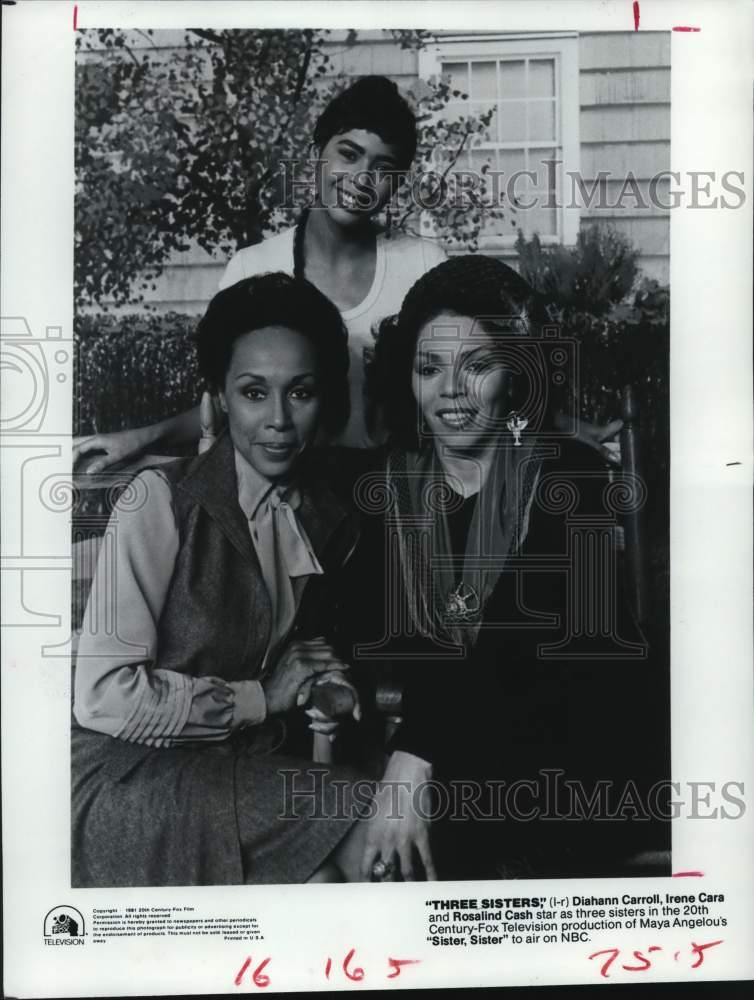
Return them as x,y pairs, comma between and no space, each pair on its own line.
622,326
592,276
134,370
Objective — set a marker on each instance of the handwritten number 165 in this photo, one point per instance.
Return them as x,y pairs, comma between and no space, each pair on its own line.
353,972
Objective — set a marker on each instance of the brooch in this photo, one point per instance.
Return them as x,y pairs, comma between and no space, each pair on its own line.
515,424
462,604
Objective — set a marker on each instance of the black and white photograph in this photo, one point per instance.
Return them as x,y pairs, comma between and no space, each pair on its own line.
377,459
399,300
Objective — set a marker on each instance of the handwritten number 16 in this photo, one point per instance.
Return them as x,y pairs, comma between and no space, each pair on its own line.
259,977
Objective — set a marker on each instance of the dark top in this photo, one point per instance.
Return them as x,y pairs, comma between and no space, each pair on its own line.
561,677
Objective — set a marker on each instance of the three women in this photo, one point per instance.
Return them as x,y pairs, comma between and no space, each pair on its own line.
228,575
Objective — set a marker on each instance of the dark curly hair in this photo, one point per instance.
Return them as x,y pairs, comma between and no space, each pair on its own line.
474,285
276,299
372,103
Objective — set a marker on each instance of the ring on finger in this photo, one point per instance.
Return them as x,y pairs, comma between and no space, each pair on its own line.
383,871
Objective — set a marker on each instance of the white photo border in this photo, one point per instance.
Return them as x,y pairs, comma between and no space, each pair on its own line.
711,535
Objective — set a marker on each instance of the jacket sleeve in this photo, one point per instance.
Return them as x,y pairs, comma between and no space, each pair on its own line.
120,689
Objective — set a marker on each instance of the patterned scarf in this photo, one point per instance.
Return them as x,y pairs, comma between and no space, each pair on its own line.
447,591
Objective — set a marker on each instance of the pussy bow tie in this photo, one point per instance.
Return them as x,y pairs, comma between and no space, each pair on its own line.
275,522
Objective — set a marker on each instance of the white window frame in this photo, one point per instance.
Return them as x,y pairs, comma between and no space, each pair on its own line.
563,46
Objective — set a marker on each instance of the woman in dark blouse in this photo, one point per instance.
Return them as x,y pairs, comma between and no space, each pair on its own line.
501,608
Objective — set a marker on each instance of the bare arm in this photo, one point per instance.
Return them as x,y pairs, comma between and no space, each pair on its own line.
124,446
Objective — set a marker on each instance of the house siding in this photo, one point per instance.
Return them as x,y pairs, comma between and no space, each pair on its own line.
624,122
624,97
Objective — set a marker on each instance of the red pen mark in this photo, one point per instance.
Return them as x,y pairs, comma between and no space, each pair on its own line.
685,27
645,963
699,951
636,15
241,971
328,968
612,952
358,973
398,962
75,16
259,976
638,968
687,875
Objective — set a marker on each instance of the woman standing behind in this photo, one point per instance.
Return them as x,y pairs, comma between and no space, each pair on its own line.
365,141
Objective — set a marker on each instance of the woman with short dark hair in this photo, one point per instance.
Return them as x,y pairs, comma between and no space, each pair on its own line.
364,142
190,737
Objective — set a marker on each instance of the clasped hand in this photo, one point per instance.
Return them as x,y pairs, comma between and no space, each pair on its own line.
304,664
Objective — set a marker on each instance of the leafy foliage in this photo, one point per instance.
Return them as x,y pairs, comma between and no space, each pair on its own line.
594,275
184,145
591,291
442,198
134,370
622,327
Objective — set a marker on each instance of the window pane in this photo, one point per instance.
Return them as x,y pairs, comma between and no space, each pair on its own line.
459,76
478,108
518,190
461,161
454,109
512,121
511,160
484,81
537,220
484,165
542,78
500,227
546,172
480,157
512,79
542,120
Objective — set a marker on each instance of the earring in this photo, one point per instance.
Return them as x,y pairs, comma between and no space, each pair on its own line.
516,424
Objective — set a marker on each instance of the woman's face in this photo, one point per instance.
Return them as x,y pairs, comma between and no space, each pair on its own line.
271,396
460,382
356,176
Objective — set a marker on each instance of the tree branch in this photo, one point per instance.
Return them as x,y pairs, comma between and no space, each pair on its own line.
443,175
455,158
208,36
